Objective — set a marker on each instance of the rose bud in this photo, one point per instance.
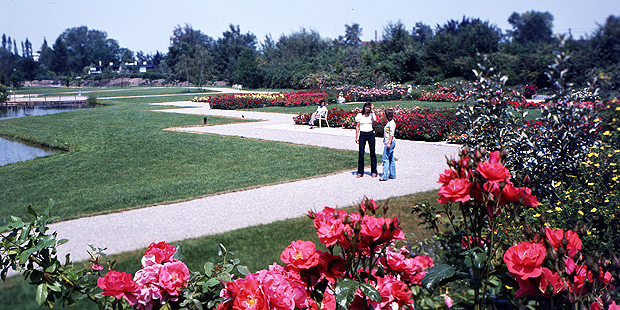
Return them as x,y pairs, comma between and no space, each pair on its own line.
552,255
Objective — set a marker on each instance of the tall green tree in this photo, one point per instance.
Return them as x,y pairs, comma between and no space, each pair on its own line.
606,41
228,49
184,41
531,27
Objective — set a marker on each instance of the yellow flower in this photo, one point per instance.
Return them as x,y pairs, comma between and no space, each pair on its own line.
558,209
594,210
580,212
589,233
607,133
591,183
596,120
557,184
538,214
597,165
549,211
593,154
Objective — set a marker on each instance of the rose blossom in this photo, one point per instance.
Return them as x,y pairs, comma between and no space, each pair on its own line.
300,255
173,277
119,285
525,259
447,175
250,297
158,253
493,172
457,190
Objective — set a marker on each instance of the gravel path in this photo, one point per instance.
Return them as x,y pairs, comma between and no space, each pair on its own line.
418,166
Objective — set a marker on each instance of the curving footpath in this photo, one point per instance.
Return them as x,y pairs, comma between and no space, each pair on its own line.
418,167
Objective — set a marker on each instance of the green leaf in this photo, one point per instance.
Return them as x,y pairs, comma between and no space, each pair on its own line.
41,295
56,287
345,292
221,250
32,212
370,292
14,222
208,269
243,270
197,304
212,282
178,255
438,276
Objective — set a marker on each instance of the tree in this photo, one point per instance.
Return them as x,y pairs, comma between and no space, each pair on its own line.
184,41
606,41
531,26
352,35
422,33
228,49
248,72
203,63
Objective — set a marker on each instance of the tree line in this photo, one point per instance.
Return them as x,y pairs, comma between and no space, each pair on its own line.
303,59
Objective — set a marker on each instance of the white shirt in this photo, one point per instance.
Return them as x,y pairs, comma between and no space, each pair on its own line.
388,131
365,121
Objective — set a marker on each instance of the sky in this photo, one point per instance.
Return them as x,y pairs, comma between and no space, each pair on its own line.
146,26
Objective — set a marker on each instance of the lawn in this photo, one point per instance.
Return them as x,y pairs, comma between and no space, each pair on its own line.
256,247
120,158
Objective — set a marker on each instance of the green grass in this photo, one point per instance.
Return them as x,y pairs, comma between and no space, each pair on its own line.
256,247
121,158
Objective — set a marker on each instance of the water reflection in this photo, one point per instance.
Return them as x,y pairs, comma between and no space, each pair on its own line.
11,151
22,111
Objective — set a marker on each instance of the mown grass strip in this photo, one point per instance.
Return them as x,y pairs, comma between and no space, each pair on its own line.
120,158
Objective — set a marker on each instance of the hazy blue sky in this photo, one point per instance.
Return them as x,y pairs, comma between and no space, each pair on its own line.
148,25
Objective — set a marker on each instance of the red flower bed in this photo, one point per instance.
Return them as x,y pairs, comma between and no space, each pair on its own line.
249,101
443,94
411,124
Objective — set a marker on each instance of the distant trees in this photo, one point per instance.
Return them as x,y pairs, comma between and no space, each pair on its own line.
421,54
531,27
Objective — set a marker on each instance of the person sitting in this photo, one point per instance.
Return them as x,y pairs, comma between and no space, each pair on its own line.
341,98
321,112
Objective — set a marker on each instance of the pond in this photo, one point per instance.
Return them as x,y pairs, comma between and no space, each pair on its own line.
11,151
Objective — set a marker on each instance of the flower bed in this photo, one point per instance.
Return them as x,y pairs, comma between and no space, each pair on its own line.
362,94
249,101
411,124
442,94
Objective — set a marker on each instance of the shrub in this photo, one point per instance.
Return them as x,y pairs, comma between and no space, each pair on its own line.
249,101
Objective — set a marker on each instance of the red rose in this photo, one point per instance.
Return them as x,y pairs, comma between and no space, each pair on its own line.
158,253
525,259
457,190
494,172
300,255
119,285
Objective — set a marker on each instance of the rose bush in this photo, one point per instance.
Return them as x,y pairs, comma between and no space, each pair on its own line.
248,101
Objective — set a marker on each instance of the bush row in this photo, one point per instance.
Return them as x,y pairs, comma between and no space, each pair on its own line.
254,100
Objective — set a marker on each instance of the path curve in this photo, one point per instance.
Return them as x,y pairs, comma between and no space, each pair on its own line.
418,166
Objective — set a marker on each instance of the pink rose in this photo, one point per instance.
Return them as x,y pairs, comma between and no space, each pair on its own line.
119,285
158,253
447,175
300,255
525,259
250,297
493,172
173,277
457,190
550,280
526,288
372,228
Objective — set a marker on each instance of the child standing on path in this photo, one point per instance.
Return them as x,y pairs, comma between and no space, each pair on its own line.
364,132
389,164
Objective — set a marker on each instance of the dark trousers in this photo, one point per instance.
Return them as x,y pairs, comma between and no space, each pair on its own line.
370,137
